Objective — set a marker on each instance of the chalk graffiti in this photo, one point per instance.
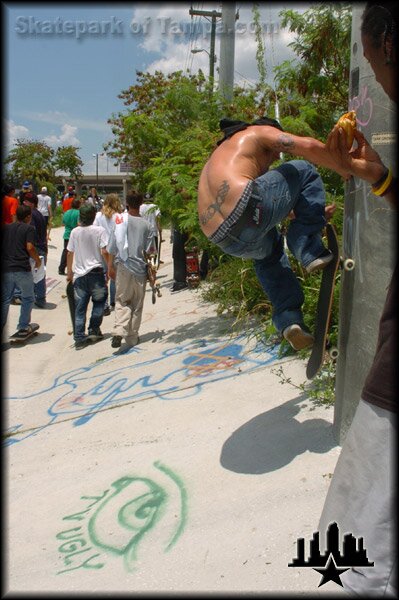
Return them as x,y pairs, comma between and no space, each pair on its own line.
362,104
121,518
202,363
80,394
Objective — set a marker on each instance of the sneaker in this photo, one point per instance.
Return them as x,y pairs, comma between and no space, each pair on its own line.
320,262
178,285
61,272
16,301
95,335
107,311
298,337
116,341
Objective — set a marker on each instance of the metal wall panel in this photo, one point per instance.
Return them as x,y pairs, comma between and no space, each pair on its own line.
369,237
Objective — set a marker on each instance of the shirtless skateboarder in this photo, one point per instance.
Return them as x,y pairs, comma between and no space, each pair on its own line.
241,201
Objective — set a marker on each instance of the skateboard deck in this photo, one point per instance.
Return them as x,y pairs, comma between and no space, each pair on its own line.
160,240
71,304
151,260
324,306
15,338
192,267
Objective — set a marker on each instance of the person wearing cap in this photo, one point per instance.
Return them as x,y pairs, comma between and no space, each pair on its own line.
68,199
86,247
26,187
44,205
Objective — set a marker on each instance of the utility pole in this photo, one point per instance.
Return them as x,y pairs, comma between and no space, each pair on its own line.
214,14
227,43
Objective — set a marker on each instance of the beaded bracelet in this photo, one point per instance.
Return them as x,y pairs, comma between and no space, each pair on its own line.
379,191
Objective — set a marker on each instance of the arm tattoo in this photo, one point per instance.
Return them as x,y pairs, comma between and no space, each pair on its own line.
215,207
284,143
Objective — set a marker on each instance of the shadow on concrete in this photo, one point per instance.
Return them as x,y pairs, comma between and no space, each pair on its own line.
37,338
49,306
273,439
209,328
153,336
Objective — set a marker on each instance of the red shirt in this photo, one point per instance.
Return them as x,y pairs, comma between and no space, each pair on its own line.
67,203
9,209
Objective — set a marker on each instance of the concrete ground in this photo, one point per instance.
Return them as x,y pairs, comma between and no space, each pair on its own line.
179,465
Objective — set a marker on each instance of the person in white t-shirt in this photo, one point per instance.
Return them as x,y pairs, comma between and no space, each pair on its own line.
44,205
106,218
151,213
87,246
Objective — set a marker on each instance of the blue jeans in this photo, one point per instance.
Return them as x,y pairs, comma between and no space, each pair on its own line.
23,280
294,185
40,286
90,286
111,288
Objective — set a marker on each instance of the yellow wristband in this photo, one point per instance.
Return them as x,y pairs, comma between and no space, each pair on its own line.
384,186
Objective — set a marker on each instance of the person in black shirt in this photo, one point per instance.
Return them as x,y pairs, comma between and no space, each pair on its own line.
18,246
39,223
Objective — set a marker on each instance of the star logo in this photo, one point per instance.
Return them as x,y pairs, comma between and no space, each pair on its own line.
331,572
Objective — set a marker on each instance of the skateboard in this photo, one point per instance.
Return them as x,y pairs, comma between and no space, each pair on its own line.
151,260
16,338
192,267
160,240
71,305
324,306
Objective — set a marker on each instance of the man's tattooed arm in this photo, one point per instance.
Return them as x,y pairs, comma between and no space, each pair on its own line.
284,143
215,207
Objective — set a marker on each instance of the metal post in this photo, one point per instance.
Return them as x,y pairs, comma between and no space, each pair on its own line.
214,14
212,51
227,42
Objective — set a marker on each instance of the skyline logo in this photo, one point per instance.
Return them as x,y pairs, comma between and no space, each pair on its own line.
332,563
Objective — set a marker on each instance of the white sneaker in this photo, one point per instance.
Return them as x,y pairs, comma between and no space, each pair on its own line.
321,262
298,337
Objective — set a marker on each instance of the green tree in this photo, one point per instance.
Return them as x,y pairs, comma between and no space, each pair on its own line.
318,78
32,160
67,160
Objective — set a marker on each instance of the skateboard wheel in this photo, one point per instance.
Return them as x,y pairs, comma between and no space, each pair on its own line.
349,264
333,353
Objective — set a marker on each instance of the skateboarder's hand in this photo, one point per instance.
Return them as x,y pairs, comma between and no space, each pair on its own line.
366,162
363,161
329,211
111,272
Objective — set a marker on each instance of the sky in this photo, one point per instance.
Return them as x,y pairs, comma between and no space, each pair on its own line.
65,64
